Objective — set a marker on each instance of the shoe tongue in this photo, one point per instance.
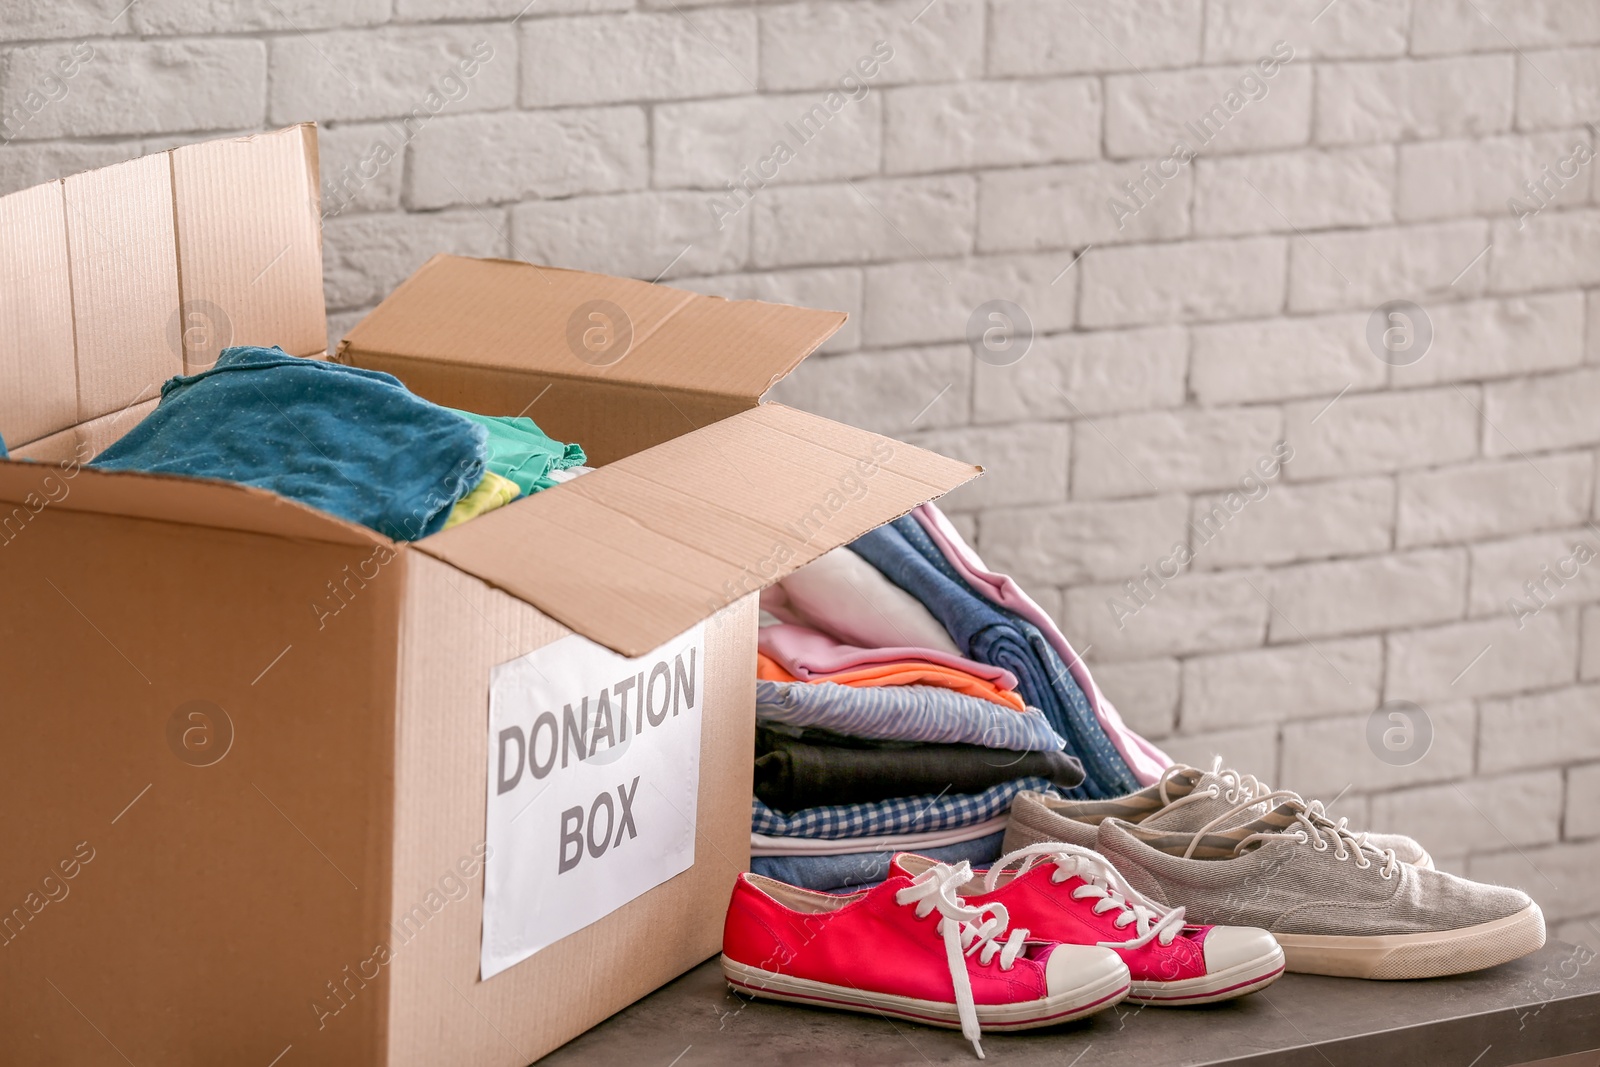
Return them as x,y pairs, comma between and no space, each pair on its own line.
1220,842
1196,813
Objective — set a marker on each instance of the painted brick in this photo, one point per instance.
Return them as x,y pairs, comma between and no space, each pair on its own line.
549,154
1033,37
362,165
1023,464
1562,568
1267,685
1541,414
1241,30
1180,616
704,144
1591,345
24,164
392,73
1081,542
1414,99
1379,432
1193,281
1253,751
819,45
1361,595
1444,179
1468,816
1365,268
865,221
37,20
934,300
518,10
1070,375
1147,694
365,256
1439,26
1123,455
988,124
1485,656
1583,801
1207,110
1268,522
1589,652
831,288
1081,204
1308,189
155,17
889,392
1557,88
1242,362
1498,339
1541,729
637,235
1554,250
132,87
603,59
1324,757
1493,499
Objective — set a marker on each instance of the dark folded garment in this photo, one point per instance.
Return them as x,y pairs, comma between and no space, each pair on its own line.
792,774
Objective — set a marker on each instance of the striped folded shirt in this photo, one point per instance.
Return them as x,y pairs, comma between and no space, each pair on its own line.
905,713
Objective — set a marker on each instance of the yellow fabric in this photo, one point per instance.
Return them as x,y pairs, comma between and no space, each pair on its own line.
493,492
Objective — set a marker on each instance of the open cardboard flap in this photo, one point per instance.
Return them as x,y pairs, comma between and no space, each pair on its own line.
615,364
642,549
114,280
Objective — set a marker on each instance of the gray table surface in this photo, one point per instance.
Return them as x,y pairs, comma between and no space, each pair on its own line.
1543,1006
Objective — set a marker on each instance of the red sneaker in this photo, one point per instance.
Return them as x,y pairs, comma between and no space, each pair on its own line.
875,951
1073,895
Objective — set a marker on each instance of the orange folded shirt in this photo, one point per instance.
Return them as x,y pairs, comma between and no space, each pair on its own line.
908,673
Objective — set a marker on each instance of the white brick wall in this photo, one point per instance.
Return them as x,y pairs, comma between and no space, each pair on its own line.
1189,314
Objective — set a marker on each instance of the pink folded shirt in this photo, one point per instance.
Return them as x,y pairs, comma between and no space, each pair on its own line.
1146,761
811,655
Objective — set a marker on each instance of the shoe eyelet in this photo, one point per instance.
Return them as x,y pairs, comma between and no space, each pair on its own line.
1320,846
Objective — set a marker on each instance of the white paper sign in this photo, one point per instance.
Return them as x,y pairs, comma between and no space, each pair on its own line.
594,771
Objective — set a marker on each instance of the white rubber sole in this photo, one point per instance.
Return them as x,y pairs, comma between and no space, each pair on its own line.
1429,955
1236,981
1026,1015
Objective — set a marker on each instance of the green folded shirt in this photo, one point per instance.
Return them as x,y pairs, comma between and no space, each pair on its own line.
520,451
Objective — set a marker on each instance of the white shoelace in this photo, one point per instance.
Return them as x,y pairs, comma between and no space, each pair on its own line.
1312,826
1103,884
966,929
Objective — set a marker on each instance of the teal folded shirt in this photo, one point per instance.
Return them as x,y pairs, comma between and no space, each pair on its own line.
354,443
520,451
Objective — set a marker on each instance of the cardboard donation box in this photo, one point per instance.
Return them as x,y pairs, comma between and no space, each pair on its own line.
277,786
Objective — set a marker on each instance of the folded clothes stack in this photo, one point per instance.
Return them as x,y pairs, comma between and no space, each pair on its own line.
355,443
906,694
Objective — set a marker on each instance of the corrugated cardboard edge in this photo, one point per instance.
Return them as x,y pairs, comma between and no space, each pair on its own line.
36,490
654,542
235,249
792,352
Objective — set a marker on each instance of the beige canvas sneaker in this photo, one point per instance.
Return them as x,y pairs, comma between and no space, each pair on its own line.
1336,904
1185,799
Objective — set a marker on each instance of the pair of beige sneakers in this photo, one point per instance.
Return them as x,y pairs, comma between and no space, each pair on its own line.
1233,851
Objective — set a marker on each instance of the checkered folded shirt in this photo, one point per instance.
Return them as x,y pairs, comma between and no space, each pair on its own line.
902,815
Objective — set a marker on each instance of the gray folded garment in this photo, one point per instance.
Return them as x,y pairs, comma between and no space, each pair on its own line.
792,774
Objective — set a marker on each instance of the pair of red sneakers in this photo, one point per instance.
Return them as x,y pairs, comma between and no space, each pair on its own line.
1085,940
